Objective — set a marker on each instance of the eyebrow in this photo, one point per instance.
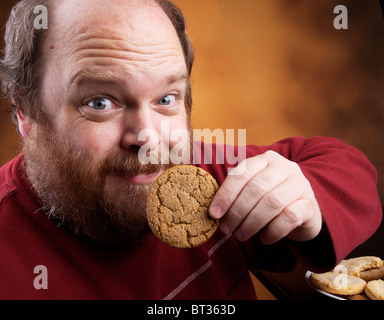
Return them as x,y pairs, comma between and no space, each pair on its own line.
87,76
84,76
175,78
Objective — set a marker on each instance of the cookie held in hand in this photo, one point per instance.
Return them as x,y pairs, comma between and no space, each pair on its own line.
177,206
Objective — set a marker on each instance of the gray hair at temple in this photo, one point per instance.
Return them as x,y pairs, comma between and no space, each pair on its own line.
20,68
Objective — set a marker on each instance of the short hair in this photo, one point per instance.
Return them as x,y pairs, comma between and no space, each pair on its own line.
20,68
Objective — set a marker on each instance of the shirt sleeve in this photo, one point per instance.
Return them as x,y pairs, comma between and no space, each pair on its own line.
345,185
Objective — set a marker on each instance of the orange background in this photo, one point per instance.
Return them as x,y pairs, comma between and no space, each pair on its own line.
279,68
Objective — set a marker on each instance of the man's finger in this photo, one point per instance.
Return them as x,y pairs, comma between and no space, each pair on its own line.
291,218
234,183
253,192
268,208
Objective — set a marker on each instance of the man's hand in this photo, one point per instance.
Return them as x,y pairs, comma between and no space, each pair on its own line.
271,193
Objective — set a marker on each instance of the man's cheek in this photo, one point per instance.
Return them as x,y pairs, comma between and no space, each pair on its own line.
96,139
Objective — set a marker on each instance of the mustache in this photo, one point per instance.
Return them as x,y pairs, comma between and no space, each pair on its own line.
128,165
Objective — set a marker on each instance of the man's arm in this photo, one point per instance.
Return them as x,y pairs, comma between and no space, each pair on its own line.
312,191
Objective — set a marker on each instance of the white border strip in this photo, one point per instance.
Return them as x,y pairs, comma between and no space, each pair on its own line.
199,271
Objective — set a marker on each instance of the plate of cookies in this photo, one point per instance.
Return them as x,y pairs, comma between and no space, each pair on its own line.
360,278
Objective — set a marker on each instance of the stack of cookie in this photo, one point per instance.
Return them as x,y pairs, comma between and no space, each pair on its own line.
358,278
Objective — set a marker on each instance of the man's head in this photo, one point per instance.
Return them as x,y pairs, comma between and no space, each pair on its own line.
82,92
20,68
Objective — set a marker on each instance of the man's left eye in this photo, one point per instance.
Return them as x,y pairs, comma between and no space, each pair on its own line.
101,104
167,100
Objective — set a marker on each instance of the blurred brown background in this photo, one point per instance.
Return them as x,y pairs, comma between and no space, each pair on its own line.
279,68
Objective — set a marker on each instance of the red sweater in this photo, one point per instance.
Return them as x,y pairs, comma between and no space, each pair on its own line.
342,178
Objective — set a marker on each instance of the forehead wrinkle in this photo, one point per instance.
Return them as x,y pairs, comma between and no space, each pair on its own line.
113,50
123,27
110,77
124,38
132,56
121,41
112,69
110,40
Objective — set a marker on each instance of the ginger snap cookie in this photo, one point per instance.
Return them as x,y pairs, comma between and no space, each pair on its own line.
177,206
372,274
358,297
375,289
356,265
337,283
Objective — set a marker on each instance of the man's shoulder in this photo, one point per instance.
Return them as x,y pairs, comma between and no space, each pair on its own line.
8,176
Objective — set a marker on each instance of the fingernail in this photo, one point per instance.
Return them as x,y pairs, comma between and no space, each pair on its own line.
215,212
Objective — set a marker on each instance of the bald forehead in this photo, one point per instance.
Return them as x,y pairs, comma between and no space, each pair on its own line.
131,39
135,17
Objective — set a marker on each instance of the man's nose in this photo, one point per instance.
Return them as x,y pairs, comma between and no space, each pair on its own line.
139,128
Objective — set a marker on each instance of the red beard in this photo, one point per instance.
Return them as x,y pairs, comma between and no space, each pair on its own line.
74,189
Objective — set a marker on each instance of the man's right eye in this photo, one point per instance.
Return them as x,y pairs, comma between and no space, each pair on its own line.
101,104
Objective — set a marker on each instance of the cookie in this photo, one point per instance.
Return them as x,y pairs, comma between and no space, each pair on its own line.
177,206
375,289
338,283
372,274
358,297
356,265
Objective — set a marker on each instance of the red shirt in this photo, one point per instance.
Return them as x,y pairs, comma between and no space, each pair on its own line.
342,178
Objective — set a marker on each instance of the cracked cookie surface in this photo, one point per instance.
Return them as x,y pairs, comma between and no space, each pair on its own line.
177,206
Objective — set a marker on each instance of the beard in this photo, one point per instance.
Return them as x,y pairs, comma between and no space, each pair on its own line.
86,196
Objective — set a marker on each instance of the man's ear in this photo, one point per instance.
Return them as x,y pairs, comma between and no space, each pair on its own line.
24,123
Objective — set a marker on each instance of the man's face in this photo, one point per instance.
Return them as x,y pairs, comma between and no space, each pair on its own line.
110,72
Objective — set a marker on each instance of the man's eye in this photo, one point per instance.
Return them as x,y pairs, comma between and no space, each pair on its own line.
101,104
167,100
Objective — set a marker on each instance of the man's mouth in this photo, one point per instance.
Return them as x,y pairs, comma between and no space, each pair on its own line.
142,178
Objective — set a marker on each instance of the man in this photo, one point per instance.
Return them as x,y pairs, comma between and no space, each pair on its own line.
73,203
